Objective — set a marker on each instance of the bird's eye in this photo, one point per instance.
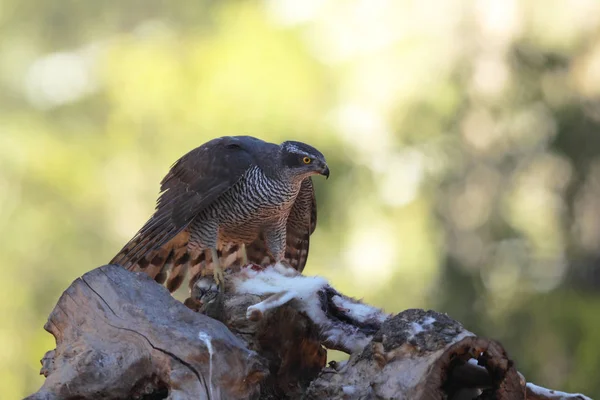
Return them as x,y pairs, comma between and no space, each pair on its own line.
306,160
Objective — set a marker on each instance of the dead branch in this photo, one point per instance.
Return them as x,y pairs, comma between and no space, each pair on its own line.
120,335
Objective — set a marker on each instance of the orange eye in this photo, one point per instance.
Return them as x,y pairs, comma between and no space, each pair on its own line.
306,160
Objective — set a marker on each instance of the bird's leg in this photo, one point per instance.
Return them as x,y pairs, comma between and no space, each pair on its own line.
217,270
275,242
244,255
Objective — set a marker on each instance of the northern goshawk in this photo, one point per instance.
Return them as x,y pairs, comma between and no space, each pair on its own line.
234,199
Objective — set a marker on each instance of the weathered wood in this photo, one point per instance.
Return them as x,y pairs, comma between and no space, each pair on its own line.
416,355
120,335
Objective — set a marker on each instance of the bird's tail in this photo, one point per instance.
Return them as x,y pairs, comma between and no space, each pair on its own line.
170,263
257,252
164,263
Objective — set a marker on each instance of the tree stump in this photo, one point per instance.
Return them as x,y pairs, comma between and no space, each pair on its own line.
120,335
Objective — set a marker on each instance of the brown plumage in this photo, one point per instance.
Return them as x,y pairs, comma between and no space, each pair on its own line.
229,194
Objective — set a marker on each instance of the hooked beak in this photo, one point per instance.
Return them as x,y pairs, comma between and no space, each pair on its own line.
325,171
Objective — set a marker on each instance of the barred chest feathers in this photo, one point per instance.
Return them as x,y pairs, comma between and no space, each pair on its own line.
254,202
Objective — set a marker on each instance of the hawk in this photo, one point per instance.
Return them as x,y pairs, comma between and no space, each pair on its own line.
234,198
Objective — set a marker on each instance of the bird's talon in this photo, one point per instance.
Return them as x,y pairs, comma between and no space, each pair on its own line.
219,277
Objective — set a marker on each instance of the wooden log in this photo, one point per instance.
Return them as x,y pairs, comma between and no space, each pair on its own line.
121,335
421,354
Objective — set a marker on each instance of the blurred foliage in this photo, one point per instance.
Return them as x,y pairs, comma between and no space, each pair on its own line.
462,138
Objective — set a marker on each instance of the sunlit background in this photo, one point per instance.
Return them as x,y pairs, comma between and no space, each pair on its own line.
463,139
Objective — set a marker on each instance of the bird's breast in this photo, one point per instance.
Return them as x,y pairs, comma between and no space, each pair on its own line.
254,202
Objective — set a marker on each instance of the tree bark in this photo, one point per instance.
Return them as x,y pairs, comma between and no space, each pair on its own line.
120,335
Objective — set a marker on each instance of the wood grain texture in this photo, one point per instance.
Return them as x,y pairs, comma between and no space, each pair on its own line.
120,335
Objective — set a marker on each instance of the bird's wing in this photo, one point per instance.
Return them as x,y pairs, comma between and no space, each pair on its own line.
194,182
301,224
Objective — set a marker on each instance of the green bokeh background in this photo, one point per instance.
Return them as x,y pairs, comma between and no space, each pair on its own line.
463,139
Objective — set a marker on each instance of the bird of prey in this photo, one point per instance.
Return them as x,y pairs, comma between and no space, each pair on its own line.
234,199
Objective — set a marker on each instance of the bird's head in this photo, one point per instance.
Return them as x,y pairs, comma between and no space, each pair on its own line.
301,160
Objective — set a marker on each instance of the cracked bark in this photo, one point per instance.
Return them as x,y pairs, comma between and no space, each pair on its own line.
119,335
